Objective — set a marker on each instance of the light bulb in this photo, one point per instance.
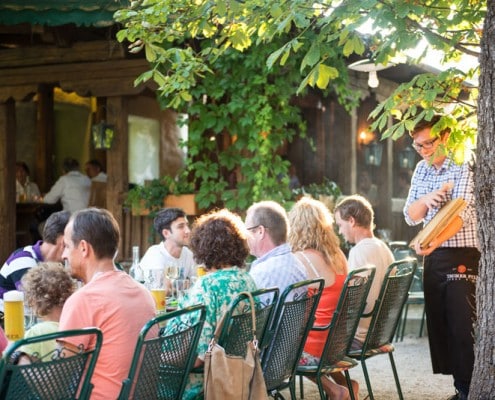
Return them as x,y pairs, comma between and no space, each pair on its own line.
373,81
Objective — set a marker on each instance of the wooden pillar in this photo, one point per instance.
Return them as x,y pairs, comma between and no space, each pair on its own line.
117,160
45,138
7,179
321,146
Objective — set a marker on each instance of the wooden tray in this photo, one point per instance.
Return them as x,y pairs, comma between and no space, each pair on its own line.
439,222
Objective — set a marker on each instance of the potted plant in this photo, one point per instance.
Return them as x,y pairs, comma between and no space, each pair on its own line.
327,192
181,194
147,198
153,195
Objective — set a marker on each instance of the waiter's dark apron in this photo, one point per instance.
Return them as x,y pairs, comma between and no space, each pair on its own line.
450,276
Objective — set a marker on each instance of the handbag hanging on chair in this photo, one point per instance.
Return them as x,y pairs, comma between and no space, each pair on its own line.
229,377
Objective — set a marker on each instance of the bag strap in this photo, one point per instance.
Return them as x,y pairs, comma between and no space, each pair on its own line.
219,327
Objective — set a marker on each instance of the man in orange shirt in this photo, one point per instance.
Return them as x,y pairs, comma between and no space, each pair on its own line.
110,299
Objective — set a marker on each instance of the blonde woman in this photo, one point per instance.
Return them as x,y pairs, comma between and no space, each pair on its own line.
317,247
46,288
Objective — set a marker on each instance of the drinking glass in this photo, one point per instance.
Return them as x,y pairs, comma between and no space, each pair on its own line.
14,315
154,280
172,273
181,286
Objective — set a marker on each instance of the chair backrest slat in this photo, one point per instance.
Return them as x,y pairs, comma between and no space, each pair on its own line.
389,304
346,316
164,355
64,373
292,321
237,328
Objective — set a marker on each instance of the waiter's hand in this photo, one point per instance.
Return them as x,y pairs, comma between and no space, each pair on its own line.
435,198
427,250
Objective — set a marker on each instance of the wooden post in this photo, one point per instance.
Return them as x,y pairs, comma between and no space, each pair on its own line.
117,160
7,179
45,129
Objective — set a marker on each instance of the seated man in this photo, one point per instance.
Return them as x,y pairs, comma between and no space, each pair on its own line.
48,249
172,226
276,265
110,299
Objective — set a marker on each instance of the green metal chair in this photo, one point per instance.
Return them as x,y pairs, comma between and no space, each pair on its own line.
341,331
401,250
292,321
237,328
385,317
62,374
164,355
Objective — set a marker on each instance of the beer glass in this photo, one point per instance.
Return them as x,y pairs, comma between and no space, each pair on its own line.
13,302
155,283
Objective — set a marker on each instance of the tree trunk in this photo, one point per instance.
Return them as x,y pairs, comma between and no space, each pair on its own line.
483,382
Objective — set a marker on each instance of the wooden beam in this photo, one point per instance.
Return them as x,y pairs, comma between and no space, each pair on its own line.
96,70
107,78
97,50
7,180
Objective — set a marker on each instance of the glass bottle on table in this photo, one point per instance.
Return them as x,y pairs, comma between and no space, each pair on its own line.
136,271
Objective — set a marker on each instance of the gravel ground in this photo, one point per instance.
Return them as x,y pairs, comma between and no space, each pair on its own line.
412,359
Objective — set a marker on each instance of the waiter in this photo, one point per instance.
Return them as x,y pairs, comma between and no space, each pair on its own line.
451,260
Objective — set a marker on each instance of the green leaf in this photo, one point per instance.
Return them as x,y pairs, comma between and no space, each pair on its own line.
312,56
325,73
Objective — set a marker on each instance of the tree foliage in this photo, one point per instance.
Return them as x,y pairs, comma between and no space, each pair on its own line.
190,43
323,34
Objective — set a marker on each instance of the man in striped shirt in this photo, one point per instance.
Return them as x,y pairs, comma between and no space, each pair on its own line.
48,249
451,261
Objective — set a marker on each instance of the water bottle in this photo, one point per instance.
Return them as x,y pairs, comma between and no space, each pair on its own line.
136,271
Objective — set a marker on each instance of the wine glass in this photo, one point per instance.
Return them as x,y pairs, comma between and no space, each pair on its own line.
172,273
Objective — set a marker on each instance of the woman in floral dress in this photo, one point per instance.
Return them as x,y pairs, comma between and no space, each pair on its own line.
218,242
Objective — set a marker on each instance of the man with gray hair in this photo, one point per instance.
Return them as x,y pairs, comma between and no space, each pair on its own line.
276,265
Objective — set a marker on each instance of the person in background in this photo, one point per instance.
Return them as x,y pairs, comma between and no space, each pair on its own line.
25,189
218,241
46,288
355,218
368,189
94,170
172,226
317,247
48,249
404,183
72,188
294,182
276,265
110,299
451,261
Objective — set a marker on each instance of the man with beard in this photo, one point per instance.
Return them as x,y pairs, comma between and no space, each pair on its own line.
172,225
